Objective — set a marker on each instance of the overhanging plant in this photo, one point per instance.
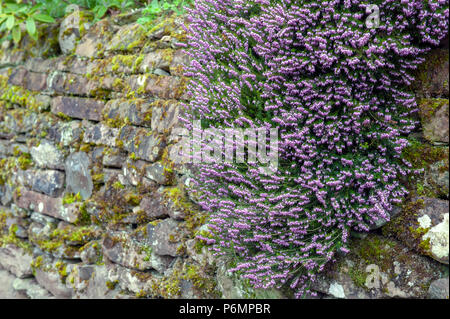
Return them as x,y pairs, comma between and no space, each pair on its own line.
336,91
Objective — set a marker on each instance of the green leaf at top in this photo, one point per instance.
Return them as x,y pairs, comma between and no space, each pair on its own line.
101,12
43,18
10,22
16,34
31,26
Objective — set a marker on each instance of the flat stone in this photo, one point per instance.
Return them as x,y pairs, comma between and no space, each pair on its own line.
432,76
79,108
71,30
91,45
46,155
165,237
423,226
65,133
7,290
79,178
158,173
101,135
31,288
439,289
130,253
91,252
71,84
145,145
437,177
127,38
159,59
51,281
179,61
114,158
153,206
136,112
48,182
434,115
16,260
165,87
96,286
165,117
130,279
39,202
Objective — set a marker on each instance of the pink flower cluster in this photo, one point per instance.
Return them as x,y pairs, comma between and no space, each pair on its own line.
337,92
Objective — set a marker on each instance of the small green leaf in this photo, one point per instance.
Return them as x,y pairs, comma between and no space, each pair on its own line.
43,18
101,12
16,34
10,22
31,26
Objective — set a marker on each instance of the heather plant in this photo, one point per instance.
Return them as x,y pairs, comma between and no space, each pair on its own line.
336,90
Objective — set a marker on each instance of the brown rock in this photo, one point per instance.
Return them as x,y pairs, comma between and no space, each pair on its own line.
153,206
16,260
165,238
432,76
80,108
435,123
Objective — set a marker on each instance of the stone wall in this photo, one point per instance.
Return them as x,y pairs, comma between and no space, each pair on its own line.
92,206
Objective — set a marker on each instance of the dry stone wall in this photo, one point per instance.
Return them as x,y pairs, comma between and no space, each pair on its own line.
93,206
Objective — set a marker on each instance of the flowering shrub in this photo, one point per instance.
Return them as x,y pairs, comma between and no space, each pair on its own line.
336,91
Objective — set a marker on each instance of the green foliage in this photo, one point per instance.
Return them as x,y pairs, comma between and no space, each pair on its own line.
102,6
13,14
157,7
18,15
58,8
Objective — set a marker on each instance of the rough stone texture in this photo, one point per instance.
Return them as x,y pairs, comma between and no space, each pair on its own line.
439,289
7,290
52,282
49,182
127,38
46,155
66,134
144,146
136,112
163,237
131,253
101,135
89,45
79,108
434,117
31,288
437,176
379,268
130,279
71,30
153,206
96,287
91,253
432,76
79,178
158,173
165,117
423,226
16,260
39,202
114,158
